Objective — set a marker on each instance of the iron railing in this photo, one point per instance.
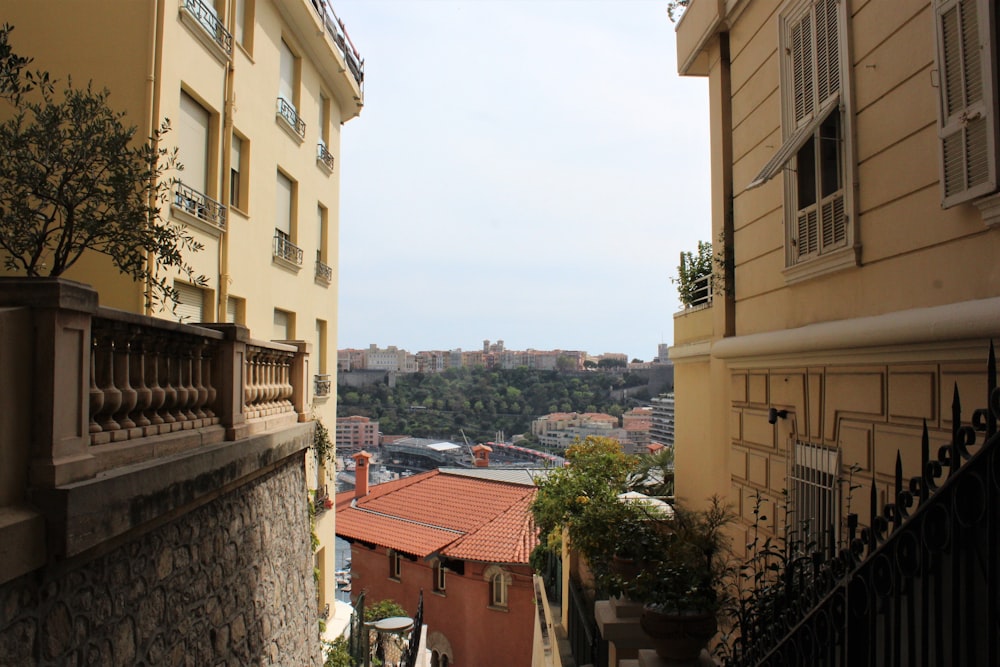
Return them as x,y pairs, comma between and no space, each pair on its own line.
324,272
211,23
286,111
920,585
585,640
338,35
324,156
285,249
358,639
199,205
321,385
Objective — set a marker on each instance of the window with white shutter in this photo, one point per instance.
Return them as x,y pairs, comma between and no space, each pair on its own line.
967,115
286,82
815,154
282,325
283,206
190,304
192,137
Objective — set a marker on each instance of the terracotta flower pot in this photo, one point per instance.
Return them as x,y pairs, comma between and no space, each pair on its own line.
678,636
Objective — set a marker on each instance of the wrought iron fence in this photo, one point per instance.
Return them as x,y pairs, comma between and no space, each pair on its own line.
324,156
287,112
199,205
322,385
920,585
285,249
324,272
209,20
585,640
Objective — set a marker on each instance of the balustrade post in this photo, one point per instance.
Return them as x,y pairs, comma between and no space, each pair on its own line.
300,378
228,378
60,400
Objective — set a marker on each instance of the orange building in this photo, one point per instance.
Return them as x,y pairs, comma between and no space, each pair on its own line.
356,433
461,536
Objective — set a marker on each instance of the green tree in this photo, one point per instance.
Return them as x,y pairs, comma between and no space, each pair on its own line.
73,178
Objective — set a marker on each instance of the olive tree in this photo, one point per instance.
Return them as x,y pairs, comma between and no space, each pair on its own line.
73,178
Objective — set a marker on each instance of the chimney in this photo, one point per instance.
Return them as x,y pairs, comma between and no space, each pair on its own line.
482,454
361,474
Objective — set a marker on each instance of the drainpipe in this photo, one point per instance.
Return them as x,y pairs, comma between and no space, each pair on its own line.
227,149
153,115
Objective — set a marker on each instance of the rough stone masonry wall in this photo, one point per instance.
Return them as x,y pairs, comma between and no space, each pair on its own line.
227,584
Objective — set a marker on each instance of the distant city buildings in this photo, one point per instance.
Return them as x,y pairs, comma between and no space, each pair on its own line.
662,428
356,433
492,355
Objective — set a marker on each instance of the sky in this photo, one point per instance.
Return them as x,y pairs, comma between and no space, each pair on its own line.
522,170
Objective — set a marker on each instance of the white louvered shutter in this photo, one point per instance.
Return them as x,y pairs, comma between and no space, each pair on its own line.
231,310
192,137
283,205
967,118
280,325
286,82
190,304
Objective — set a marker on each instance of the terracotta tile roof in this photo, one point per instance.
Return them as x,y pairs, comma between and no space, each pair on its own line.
458,516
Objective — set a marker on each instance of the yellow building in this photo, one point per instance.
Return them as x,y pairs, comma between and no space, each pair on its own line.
256,92
854,192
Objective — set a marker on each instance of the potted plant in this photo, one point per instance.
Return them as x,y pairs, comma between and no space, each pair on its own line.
683,588
694,275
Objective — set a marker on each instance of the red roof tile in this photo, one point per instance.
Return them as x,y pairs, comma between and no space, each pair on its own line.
458,516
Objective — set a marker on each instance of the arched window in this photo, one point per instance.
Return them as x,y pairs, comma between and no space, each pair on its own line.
499,583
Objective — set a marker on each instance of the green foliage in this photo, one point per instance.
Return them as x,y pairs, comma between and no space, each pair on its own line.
479,401
74,179
675,9
693,267
583,498
337,653
322,446
383,609
654,473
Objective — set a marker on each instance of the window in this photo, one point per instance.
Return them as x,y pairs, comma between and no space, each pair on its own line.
394,568
439,576
289,69
235,310
324,273
284,325
243,18
192,138
499,582
191,302
816,150
966,112
239,173
285,249
324,158
813,480
320,350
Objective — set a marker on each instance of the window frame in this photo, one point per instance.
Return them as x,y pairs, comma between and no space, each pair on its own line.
239,197
957,123
804,112
395,565
812,479
439,572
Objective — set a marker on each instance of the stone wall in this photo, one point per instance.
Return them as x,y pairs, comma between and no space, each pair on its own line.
229,583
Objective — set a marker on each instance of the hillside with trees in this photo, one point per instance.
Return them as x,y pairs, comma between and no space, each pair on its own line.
480,402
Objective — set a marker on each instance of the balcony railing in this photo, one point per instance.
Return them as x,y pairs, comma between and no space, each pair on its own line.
286,250
338,35
211,23
128,417
323,156
286,111
321,385
324,273
199,205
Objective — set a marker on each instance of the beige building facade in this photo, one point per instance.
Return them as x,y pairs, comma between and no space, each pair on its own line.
854,192
256,92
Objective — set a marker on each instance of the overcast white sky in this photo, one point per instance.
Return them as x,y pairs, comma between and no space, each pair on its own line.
525,170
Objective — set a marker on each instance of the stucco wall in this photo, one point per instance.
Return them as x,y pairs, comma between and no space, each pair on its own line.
229,583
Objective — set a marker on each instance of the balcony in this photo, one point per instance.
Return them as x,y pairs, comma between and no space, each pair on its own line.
324,158
118,420
324,274
338,35
287,252
321,385
288,117
199,208
208,28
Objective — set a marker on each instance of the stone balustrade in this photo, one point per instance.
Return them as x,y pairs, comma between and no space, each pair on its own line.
115,419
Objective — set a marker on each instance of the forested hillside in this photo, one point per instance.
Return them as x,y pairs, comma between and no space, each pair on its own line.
479,401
